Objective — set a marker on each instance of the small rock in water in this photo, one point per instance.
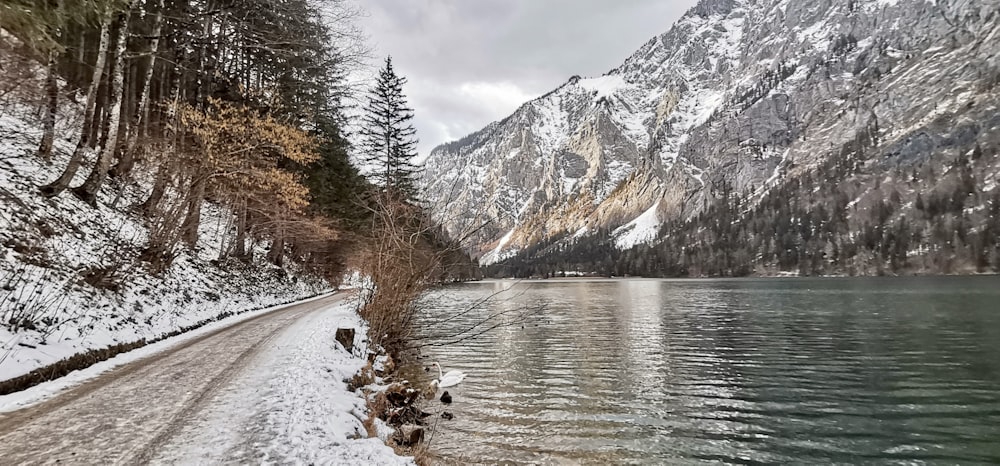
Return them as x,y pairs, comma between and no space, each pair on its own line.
446,398
447,416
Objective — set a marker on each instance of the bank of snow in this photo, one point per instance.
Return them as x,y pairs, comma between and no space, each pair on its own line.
290,406
498,254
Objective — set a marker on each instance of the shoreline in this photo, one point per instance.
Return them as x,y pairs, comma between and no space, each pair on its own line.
747,277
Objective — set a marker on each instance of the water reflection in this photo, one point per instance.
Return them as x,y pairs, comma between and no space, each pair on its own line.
652,371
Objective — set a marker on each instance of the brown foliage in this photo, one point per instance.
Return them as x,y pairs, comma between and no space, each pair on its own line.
239,152
236,156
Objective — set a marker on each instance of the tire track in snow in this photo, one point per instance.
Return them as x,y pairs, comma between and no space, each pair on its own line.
125,415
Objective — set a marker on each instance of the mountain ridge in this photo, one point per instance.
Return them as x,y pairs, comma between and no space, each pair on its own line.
736,92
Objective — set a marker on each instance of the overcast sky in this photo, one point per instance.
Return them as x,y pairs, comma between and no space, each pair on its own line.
471,62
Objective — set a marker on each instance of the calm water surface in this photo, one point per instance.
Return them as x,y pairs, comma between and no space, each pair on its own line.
724,371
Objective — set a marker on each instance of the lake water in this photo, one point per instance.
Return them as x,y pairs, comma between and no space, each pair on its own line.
877,370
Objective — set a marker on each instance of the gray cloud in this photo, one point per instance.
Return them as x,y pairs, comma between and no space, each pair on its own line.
470,62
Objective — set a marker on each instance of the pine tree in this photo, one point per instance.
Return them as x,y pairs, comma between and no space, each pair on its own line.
388,138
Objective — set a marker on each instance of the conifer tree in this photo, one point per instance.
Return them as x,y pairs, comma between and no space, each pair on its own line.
389,141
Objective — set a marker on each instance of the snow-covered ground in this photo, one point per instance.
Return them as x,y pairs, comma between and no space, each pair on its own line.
282,397
498,254
50,248
47,390
289,406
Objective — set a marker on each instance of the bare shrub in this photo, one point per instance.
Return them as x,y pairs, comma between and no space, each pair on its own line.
400,264
406,255
165,218
33,299
19,75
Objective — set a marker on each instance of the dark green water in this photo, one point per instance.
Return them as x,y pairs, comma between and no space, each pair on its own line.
875,370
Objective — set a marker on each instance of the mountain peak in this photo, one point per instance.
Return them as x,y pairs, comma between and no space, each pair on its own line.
738,94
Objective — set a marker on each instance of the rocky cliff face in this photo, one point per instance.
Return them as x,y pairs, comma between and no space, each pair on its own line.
738,93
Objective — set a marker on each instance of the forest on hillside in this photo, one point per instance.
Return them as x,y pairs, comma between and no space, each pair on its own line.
237,104
859,213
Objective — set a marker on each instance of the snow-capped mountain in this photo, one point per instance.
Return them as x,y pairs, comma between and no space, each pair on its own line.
738,93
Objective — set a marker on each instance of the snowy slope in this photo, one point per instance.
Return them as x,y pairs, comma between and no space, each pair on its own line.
641,230
738,92
48,248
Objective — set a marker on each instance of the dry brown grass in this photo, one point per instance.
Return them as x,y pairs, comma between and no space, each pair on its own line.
377,406
364,378
421,454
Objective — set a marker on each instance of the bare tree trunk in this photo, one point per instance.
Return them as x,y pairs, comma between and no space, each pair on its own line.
241,232
159,189
128,154
81,59
189,230
99,129
276,254
204,80
83,143
88,190
163,174
52,96
128,105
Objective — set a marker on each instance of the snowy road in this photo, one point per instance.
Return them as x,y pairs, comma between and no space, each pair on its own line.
213,399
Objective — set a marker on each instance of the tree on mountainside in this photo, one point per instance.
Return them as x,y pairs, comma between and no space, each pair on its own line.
39,26
127,160
389,142
335,186
841,218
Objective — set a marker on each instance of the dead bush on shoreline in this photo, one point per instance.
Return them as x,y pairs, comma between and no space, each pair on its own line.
400,264
406,255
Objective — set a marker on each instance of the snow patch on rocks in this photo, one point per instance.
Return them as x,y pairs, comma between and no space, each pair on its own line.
641,230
